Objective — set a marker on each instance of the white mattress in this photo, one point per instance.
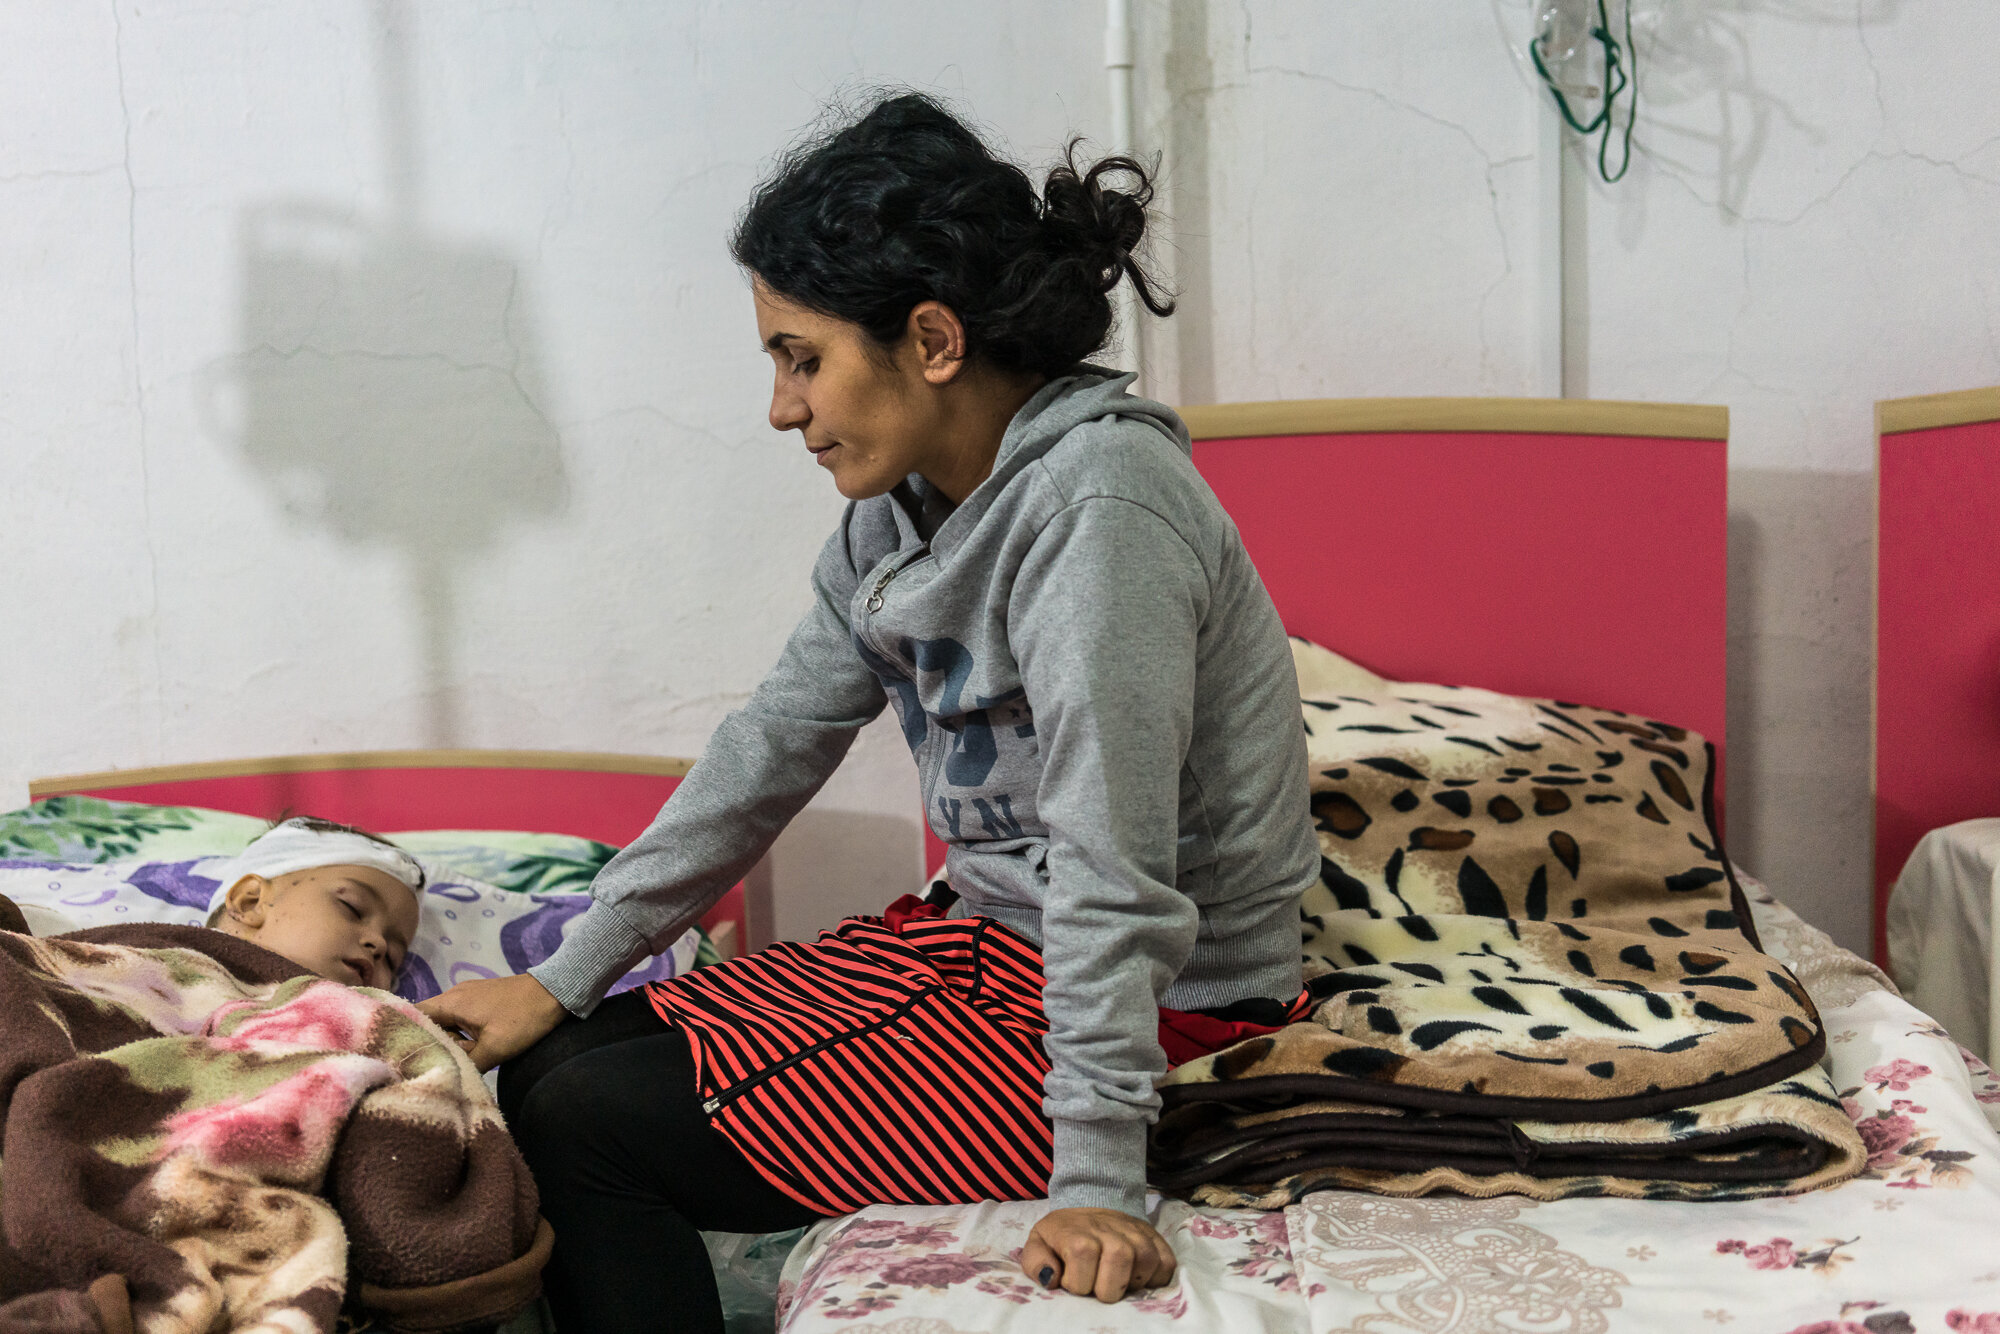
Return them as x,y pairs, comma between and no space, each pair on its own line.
1941,928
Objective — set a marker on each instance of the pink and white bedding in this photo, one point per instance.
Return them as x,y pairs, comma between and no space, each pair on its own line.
1909,1247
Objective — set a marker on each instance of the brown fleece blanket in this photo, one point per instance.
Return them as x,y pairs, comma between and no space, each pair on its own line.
200,1137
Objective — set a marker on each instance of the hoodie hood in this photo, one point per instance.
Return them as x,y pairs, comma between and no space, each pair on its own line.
1091,393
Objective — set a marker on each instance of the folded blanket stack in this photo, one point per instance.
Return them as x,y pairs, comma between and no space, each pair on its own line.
200,1137
1538,974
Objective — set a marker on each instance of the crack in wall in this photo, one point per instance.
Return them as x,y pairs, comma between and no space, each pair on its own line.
1868,54
1743,303
1953,165
1486,368
1978,148
1752,225
558,211
513,368
1871,157
78,174
507,327
648,410
139,392
308,349
509,372
1491,164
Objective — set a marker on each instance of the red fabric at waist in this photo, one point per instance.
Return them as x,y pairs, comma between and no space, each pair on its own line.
1184,1034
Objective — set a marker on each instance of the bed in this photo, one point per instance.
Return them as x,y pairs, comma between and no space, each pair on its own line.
604,798
510,840
1566,549
1555,548
1937,702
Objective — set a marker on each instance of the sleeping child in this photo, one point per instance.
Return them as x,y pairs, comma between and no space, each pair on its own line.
219,1128
331,898
335,900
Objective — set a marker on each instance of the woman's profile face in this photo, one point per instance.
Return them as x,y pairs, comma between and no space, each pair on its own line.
863,411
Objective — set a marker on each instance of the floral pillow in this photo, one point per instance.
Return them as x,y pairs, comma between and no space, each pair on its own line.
495,903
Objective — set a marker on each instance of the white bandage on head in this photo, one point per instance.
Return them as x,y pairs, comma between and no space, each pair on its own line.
296,845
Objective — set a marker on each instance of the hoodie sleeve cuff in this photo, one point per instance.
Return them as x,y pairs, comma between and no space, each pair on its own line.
1100,1165
599,948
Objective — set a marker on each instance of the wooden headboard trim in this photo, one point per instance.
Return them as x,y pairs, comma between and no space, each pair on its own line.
1528,416
1929,411
572,760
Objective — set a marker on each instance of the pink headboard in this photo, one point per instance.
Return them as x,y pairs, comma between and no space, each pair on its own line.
610,798
1546,547
1937,623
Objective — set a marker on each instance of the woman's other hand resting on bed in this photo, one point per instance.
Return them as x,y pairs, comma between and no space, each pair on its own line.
1097,1252
499,1018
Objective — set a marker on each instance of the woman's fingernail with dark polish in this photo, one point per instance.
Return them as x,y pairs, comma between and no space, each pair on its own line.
1048,1276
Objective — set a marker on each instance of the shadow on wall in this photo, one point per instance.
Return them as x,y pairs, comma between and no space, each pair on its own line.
1800,728
388,386
1704,116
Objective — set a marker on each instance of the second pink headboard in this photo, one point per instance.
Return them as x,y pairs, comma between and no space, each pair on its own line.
1937,624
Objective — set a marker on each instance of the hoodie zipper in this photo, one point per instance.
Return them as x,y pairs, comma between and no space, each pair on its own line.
734,1091
874,603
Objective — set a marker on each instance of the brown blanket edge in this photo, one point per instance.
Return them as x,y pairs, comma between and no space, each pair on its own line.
479,1299
1764,1153
1267,1089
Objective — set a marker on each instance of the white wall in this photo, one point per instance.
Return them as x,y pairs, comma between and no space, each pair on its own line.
375,374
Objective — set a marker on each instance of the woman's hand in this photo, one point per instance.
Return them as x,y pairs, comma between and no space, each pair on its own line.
1097,1252
497,1018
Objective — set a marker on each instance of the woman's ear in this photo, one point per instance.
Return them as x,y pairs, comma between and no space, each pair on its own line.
247,902
938,336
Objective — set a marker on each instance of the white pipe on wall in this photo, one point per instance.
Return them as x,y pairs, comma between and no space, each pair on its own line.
1574,229
1118,65
1118,61
1562,28
1550,255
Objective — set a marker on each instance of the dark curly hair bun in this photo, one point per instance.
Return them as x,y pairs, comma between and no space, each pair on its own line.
906,204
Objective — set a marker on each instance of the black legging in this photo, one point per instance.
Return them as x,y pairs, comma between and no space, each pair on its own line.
631,1172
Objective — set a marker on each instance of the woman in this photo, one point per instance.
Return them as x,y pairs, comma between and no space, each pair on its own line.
1102,706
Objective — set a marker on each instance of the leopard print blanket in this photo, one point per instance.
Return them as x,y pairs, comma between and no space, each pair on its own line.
1535,970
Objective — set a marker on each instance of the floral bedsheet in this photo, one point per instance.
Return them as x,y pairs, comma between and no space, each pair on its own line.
1910,1247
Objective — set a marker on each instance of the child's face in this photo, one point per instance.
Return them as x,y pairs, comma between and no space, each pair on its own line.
349,923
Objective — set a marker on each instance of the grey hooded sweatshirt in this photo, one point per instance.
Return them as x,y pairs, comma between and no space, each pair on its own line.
1105,720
